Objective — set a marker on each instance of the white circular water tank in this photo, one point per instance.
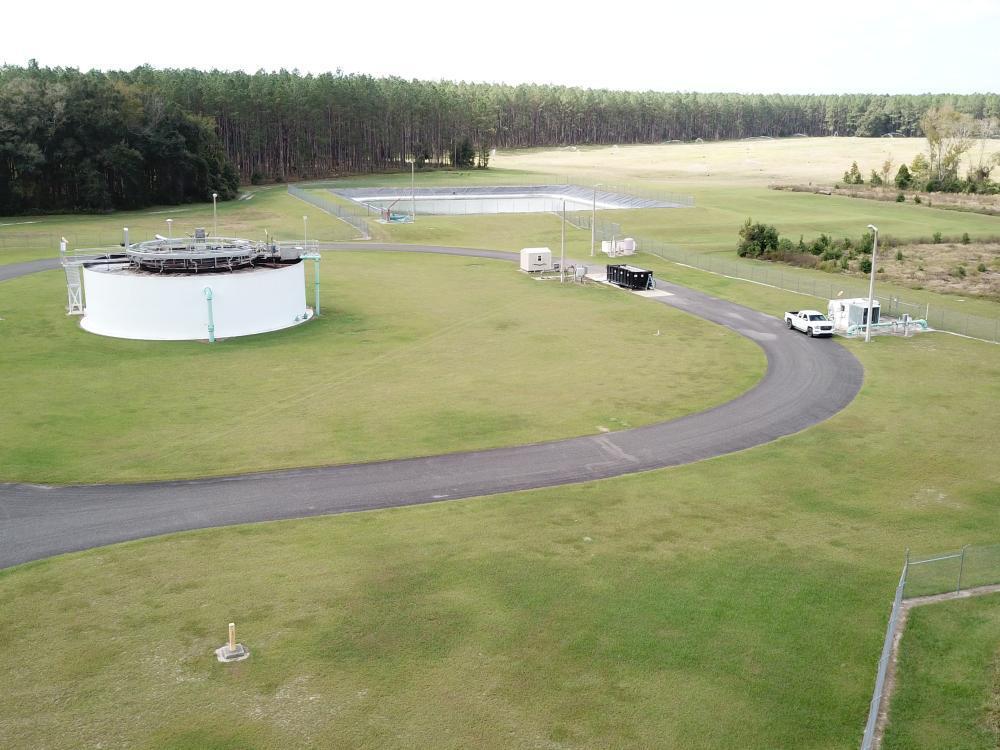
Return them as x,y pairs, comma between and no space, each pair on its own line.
130,304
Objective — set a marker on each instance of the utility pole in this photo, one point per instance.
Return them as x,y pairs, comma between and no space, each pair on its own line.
871,286
562,253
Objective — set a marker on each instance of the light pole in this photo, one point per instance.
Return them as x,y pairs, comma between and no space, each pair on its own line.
871,286
413,192
305,233
170,228
593,218
562,252
215,217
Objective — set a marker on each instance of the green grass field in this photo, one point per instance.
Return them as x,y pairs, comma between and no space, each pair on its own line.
414,355
739,602
734,603
948,678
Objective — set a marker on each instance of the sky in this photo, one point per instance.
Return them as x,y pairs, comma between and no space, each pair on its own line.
768,46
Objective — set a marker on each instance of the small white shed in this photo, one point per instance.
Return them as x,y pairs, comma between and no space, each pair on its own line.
846,313
536,259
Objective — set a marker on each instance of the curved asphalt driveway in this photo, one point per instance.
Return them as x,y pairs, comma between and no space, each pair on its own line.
807,381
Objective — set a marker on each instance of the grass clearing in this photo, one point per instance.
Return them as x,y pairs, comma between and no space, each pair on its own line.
741,163
737,602
414,355
948,678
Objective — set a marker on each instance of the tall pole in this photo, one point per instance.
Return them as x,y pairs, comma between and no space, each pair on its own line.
593,222
871,285
305,233
562,253
170,227
413,192
215,216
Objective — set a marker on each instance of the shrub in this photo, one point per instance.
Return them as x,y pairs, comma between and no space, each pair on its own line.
900,198
845,263
756,239
959,272
965,238
899,255
937,238
916,199
853,175
866,265
902,178
981,268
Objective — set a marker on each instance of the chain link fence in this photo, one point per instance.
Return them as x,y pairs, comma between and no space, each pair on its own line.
793,280
354,215
952,572
965,568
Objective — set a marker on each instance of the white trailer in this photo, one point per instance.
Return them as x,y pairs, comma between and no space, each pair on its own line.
534,259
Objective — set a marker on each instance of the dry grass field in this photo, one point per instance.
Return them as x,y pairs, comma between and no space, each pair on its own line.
749,162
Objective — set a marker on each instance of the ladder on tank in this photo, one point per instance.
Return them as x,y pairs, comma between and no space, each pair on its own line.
74,289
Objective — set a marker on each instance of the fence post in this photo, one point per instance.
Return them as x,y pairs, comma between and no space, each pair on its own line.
961,567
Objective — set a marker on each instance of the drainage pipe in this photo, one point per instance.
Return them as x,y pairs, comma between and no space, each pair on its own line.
211,318
315,257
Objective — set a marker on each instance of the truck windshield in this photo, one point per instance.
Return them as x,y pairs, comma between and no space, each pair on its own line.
817,317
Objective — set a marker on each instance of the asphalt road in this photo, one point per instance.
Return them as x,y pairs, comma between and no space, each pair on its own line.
807,381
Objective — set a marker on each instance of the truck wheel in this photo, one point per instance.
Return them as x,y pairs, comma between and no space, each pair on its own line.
809,332
788,324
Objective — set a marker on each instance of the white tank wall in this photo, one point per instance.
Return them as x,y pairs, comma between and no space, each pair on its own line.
170,307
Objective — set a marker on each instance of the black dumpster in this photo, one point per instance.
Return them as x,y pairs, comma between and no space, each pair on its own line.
630,277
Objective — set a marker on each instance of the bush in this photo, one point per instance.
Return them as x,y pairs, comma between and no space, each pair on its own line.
900,198
899,255
819,245
853,175
756,240
937,238
866,265
959,272
981,268
965,238
902,178
916,199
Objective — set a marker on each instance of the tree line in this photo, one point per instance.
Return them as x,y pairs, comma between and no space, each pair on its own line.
72,141
283,125
952,137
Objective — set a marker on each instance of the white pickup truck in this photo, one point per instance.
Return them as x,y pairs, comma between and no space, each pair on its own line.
810,322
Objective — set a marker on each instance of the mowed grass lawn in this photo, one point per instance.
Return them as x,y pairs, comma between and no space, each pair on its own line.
948,678
413,355
738,602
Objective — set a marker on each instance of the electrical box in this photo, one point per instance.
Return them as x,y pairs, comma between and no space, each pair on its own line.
536,259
